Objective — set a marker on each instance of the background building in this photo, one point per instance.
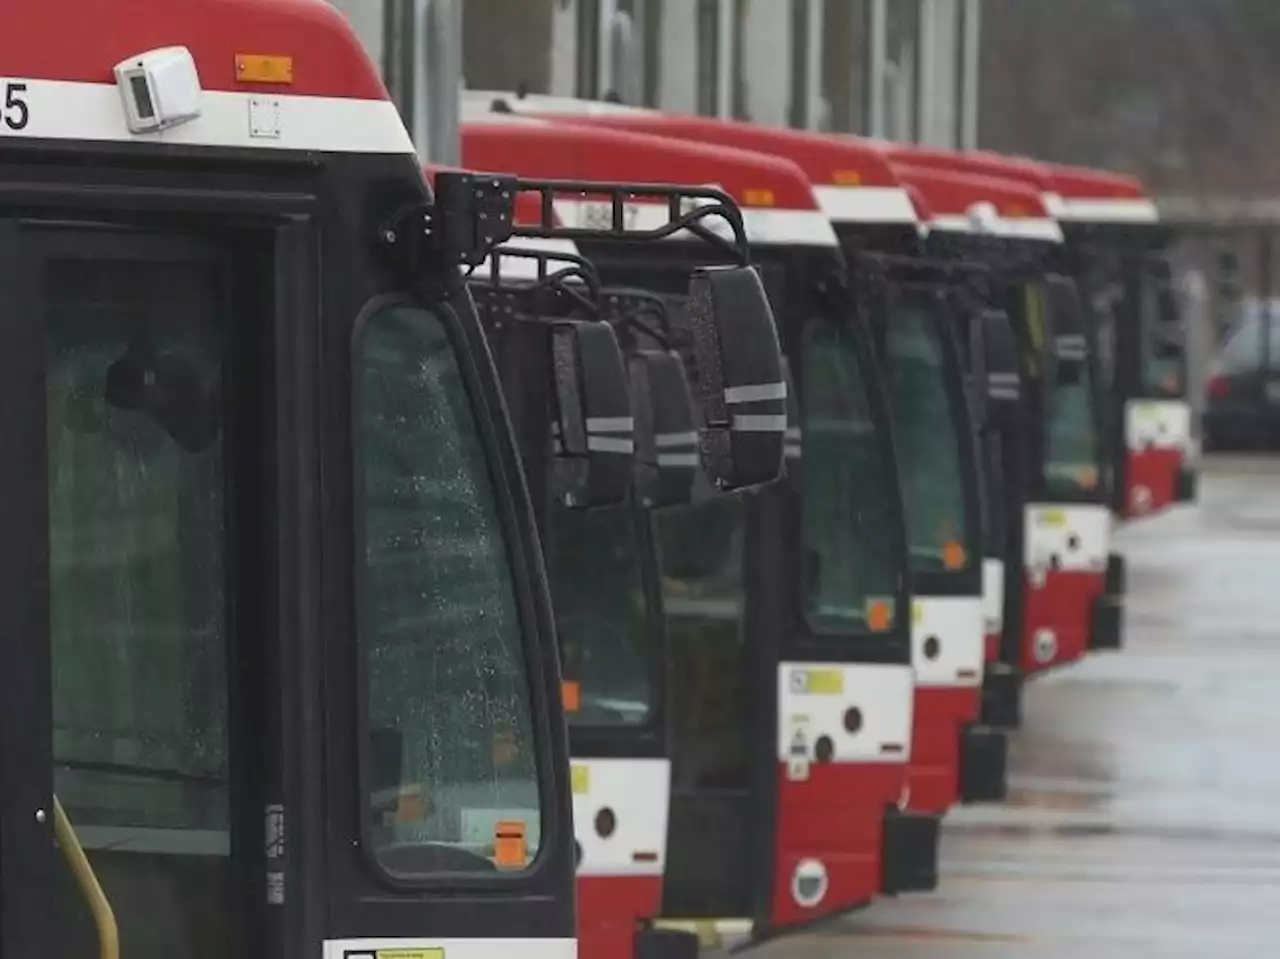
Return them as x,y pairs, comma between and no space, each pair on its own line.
906,69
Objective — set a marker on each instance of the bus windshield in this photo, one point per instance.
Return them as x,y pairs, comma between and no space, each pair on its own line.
601,615
848,533
1071,429
450,742
1162,370
930,419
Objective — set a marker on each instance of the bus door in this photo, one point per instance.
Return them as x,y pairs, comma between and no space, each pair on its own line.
180,592
1066,527
134,781
1152,385
953,757
720,747
609,612
995,386
603,577
604,572
845,685
833,614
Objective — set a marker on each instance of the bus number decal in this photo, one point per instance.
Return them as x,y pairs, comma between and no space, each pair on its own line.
13,108
599,216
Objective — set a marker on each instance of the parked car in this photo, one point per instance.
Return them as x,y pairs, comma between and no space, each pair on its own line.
1242,392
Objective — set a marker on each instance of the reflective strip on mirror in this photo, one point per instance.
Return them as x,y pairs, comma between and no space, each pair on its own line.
597,425
755,393
760,423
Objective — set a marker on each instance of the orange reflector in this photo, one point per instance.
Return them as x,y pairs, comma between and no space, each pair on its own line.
953,556
846,177
571,695
879,616
509,846
411,804
505,748
1016,212
263,68
639,856
757,196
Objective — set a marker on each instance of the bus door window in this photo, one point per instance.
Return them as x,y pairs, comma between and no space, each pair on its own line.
140,566
1162,369
601,614
850,576
929,427
1072,453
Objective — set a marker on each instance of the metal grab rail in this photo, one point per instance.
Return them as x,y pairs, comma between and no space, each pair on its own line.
103,915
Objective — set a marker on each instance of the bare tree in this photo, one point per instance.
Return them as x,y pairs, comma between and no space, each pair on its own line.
1175,90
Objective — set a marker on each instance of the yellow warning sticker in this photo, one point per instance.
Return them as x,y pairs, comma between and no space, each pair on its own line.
580,779
825,682
917,612
431,952
1051,519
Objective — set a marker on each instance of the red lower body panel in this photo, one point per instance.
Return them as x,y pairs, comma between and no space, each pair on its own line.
609,908
1151,481
933,774
1057,617
834,817
991,645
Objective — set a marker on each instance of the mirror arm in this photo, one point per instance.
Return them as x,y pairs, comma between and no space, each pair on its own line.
634,322
711,203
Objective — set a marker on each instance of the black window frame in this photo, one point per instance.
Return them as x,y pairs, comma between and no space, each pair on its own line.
938,314
486,415
890,480
646,579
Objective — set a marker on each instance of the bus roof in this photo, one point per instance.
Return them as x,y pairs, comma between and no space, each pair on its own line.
777,200
1072,194
315,88
1099,196
852,180
995,206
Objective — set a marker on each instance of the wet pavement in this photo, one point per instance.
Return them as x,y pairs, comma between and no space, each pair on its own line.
1145,798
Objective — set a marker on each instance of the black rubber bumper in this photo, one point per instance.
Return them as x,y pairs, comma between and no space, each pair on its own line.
1106,626
909,857
1001,696
666,944
1117,577
1188,481
984,764
1106,621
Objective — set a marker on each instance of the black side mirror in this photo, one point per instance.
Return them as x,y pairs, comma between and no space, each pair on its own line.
1000,354
1069,355
793,439
1066,325
742,390
666,459
593,427
977,367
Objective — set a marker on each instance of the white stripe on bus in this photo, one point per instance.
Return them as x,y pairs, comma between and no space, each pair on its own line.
67,110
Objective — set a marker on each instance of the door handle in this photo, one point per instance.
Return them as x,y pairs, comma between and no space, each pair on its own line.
104,916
